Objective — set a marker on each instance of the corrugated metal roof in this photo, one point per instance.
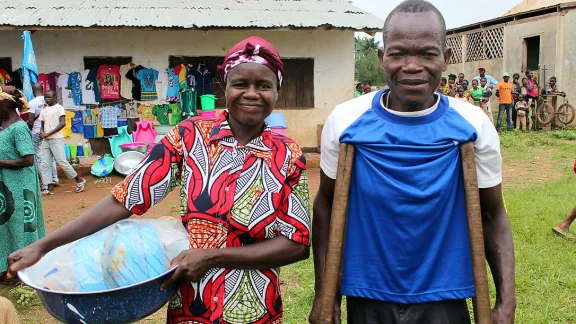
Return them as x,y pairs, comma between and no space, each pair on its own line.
201,14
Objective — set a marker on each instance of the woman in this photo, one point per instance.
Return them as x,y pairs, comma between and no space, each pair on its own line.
476,93
244,200
21,220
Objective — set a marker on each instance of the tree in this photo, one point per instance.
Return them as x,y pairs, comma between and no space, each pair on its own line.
365,46
368,69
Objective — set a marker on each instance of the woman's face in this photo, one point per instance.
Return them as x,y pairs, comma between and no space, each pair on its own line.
251,93
475,84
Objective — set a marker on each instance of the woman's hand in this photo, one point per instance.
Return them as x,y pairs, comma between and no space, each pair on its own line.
23,259
192,266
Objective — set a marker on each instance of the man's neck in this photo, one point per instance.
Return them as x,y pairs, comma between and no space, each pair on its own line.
392,102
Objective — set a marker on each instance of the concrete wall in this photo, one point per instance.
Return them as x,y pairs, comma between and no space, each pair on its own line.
567,75
333,51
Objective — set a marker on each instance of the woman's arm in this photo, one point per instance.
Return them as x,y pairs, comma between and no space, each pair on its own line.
18,163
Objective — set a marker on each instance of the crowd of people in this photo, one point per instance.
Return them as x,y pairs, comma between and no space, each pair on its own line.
517,99
362,89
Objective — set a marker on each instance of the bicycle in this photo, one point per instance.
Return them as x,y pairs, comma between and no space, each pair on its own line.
546,112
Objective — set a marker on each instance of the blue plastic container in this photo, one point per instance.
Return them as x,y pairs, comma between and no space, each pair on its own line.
67,150
80,150
277,120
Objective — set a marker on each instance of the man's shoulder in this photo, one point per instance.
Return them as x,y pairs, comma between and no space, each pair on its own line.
348,112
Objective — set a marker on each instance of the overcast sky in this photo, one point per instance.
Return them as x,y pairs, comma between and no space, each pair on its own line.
456,12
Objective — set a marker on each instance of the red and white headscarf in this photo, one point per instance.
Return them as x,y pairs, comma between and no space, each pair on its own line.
253,50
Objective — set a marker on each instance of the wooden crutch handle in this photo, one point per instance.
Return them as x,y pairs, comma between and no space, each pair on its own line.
482,310
331,277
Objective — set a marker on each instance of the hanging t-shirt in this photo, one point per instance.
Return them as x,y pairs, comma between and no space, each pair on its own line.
99,130
67,130
161,113
162,85
146,111
176,112
132,109
109,116
53,80
173,85
136,85
93,77
88,132
78,122
43,80
75,84
64,94
204,81
109,78
125,84
5,78
191,74
188,100
148,79
180,70
88,96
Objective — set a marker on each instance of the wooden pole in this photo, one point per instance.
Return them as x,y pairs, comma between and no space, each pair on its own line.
482,310
331,280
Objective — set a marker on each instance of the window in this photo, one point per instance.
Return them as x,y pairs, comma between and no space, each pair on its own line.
485,45
297,90
6,64
455,43
532,46
91,62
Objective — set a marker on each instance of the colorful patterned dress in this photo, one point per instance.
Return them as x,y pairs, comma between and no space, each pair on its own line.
21,220
231,196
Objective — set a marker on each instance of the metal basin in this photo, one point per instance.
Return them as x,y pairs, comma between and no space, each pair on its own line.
127,161
136,147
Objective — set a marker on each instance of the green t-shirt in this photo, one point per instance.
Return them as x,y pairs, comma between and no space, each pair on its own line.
357,94
176,111
161,113
477,93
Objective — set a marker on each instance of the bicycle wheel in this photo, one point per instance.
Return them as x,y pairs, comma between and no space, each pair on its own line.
545,114
566,114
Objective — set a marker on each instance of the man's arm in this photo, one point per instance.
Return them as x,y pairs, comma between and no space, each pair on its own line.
499,251
30,121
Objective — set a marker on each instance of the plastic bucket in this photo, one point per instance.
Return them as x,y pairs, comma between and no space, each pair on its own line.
279,130
276,119
208,102
208,114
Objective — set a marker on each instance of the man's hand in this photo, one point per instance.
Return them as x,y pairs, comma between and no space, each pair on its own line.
43,135
192,266
315,314
504,313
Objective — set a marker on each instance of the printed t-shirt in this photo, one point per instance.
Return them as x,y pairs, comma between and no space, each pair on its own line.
88,122
505,95
173,85
477,93
78,122
98,124
50,115
161,113
67,130
36,106
88,96
191,74
75,84
43,79
132,110
125,84
109,116
188,100
176,112
93,78
407,239
148,79
109,78
65,98
146,111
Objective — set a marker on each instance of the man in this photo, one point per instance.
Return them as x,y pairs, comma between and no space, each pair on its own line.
407,252
482,74
36,106
504,93
531,97
52,120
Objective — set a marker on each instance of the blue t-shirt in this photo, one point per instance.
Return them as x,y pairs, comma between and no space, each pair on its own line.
173,84
148,79
407,231
75,82
88,132
204,81
78,122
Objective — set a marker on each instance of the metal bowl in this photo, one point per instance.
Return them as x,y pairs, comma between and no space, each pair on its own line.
127,161
134,147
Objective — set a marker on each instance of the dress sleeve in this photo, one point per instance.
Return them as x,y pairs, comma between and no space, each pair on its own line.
23,140
293,220
154,177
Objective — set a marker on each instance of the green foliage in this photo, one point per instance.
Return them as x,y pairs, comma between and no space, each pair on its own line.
368,70
364,46
24,296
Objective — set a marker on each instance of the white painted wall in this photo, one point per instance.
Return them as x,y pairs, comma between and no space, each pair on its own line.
333,51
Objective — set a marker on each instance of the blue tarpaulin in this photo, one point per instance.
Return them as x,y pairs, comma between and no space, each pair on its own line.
29,68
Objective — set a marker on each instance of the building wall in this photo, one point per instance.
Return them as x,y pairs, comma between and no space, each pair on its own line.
568,73
333,51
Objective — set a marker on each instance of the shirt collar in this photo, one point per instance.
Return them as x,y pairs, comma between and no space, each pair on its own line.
260,146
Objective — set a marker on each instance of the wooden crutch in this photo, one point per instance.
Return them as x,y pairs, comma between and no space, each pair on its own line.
331,277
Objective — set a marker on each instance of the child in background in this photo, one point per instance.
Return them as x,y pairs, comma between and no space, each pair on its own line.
521,108
486,99
443,89
465,85
460,95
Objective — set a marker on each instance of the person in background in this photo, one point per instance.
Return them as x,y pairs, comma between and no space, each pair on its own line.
482,74
460,95
465,86
460,81
530,89
516,92
552,88
36,106
367,88
52,122
563,229
504,93
521,107
486,95
21,220
443,88
452,85
358,91
476,93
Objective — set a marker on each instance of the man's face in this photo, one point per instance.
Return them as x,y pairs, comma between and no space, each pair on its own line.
482,72
460,78
506,78
552,82
530,75
50,98
414,56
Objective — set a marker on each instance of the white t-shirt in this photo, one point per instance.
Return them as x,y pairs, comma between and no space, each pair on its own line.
65,95
162,85
51,118
36,106
88,96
